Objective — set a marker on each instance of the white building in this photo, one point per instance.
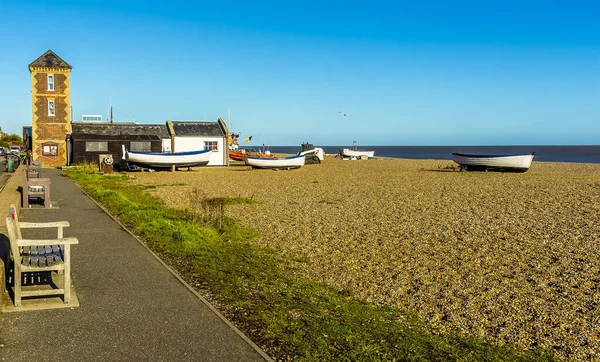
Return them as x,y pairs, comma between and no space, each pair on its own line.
193,136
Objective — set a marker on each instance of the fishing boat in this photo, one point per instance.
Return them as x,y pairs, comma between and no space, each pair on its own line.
242,154
286,163
166,160
508,163
354,153
238,155
313,155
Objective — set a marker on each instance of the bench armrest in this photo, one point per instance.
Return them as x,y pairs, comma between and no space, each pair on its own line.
35,242
32,225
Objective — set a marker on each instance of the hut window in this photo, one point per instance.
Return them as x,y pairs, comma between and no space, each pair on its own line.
96,146
51,111
211,145
138,146
49,149
50,82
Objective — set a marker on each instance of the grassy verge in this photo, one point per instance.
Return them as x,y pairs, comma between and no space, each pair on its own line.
287,315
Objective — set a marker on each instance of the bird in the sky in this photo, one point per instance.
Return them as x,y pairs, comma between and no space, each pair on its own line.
345,114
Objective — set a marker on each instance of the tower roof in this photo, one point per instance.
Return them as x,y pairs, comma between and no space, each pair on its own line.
49,60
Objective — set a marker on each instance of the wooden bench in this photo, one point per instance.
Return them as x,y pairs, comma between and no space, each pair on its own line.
34,170
35,187
32,255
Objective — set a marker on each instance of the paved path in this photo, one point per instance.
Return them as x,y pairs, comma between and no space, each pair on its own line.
131,307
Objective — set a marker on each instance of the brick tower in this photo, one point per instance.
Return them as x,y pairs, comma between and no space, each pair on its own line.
51,109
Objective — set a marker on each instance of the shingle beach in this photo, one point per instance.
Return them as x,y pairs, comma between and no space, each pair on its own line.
511,257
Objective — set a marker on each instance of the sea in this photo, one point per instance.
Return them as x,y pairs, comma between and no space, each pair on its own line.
578,154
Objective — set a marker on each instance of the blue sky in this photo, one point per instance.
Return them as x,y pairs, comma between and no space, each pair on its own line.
408,73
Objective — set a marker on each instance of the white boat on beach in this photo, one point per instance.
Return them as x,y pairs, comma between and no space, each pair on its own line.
353,153
166,160
509,163
346,152
286,163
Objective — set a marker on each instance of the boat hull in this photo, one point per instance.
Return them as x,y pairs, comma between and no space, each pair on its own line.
241,155
276,163
346,152
158,160
506,163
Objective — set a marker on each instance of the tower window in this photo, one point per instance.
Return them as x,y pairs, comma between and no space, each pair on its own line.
51,111
50,82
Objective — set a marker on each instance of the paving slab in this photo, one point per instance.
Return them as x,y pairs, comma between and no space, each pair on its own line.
131,307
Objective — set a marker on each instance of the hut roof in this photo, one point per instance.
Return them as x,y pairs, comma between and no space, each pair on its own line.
119,129
49,60
103,137
191,129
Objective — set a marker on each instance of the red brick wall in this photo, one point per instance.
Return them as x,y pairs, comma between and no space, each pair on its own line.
60,110
56,132
59,83
41,84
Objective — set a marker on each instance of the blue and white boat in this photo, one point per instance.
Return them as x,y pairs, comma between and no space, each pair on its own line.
286,163
166,160
509,163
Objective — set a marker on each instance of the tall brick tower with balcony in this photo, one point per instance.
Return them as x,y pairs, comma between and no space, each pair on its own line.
51,109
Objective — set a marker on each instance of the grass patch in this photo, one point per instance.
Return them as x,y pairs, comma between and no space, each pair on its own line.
287,315
87,167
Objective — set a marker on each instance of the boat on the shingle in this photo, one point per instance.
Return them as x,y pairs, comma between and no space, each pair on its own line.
354,153
507,163
166,160
286,163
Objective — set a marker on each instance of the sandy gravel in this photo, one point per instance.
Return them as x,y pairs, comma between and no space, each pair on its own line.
509,257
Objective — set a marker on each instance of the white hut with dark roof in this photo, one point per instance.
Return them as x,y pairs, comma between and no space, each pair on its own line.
193,136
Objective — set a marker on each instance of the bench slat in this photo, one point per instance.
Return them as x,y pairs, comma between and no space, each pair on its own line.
39,253
49,255
42,256
58,256
33,260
